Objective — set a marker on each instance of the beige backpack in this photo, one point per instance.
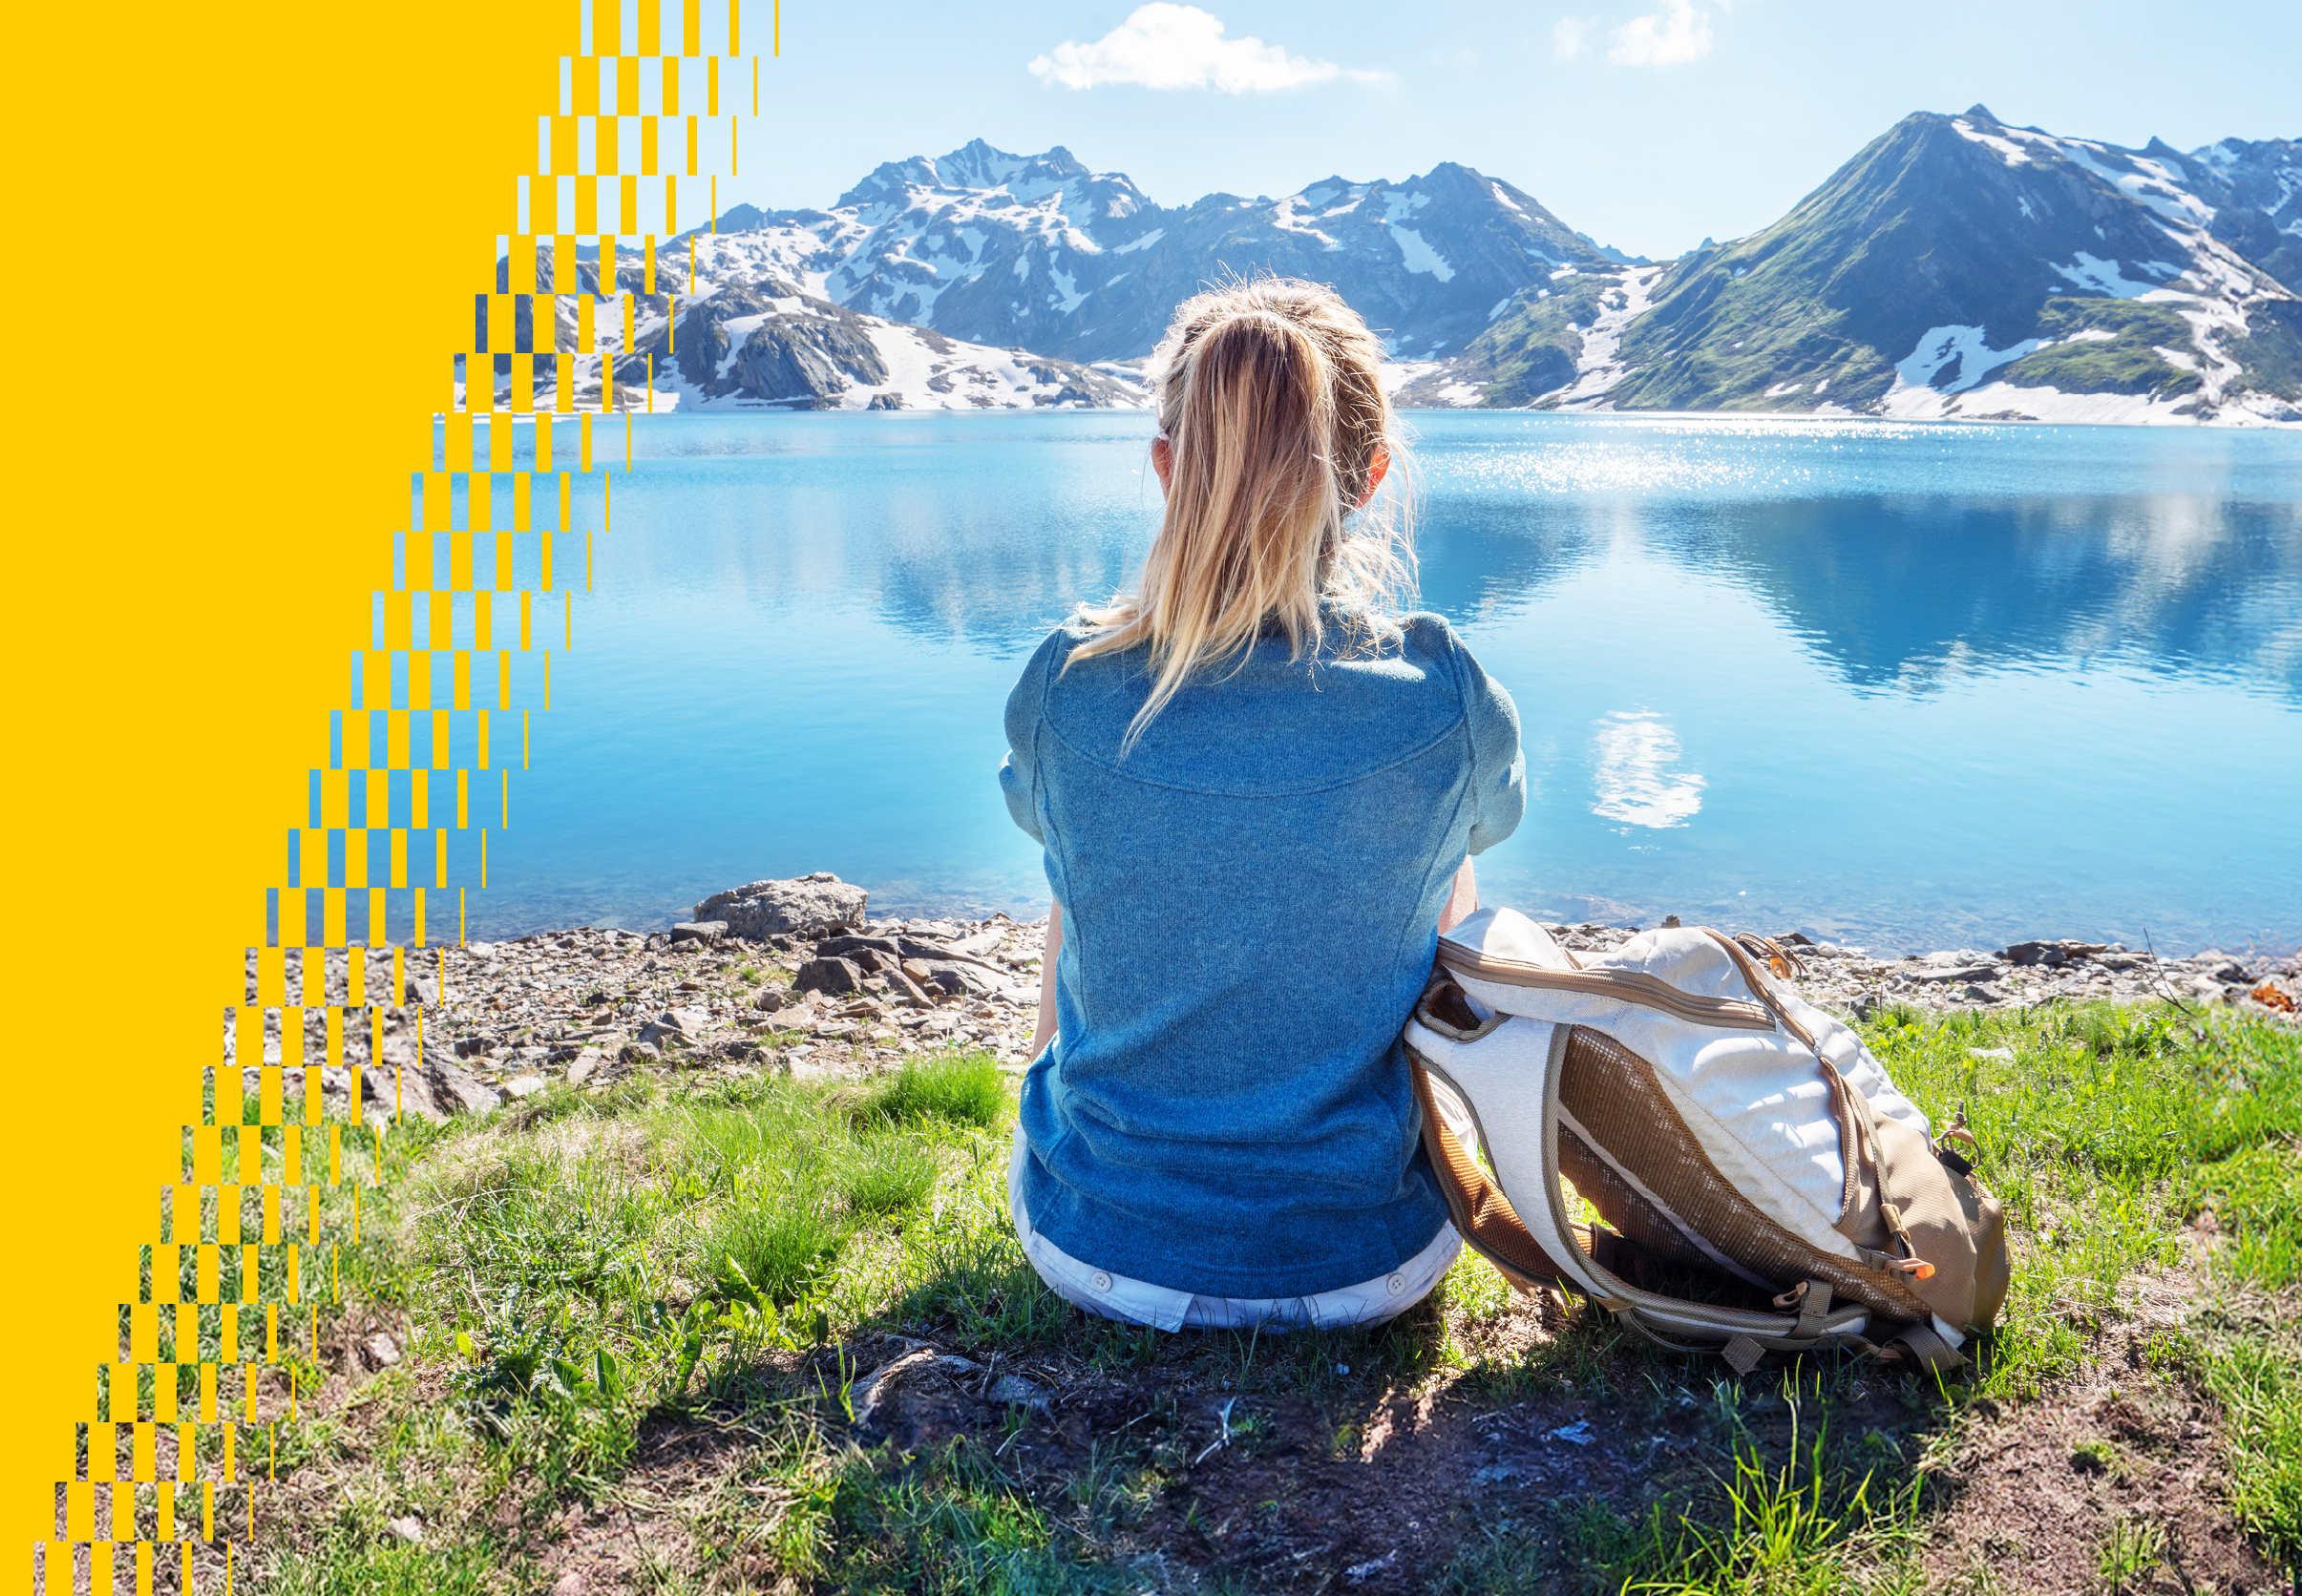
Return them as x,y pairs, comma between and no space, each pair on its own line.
1765,1186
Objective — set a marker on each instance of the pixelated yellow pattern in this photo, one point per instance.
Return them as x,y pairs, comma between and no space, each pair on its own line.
224,1352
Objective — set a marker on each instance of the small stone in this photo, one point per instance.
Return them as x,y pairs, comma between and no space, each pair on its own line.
523,1086
2053,952
698,932
908,989
833,977
852,947
679,1027
586,1064
1017,1392
638,1053
946,980
770,998
456,1092
1956,970
981,944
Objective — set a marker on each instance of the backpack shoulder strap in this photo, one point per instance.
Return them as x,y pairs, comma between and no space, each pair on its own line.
1489,1225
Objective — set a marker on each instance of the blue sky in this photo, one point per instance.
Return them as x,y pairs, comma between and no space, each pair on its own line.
1646,123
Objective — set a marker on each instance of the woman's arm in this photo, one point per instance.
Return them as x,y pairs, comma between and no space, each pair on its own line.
1046,1032
1461,904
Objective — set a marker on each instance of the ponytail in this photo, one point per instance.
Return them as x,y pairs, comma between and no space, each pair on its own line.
1270,400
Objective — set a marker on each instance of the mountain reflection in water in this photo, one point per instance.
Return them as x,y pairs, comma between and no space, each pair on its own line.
1902,685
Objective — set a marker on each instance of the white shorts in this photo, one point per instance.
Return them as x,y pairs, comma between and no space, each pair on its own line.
1115,1297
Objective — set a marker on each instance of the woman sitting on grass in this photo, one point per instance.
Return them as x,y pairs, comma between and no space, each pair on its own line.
1258,788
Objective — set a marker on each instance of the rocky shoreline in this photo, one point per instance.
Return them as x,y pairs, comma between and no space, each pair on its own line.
795,977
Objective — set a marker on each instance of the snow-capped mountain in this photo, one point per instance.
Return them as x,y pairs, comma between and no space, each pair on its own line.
1956,266
2256,191
1039,252
758,340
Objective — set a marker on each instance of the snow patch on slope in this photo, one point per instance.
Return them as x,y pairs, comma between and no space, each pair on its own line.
1600,367
2098,276
2008,151
1417,255
1949,360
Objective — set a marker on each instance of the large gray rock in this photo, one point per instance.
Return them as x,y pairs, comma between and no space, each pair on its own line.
817,904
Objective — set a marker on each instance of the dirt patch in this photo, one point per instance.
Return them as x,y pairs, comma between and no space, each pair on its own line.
1367,1485
2122,1454
642,1528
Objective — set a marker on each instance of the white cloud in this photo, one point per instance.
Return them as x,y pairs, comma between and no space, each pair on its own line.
1676,34
1570,38
1167,46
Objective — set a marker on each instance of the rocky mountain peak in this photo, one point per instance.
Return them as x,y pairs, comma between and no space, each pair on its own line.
741,219
980,165
1954,264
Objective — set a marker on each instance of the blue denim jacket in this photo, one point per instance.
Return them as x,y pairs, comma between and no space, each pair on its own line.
1251,901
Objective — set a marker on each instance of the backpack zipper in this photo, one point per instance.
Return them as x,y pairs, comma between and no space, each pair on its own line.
1627,986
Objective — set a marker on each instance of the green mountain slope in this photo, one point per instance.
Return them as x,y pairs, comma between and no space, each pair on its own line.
1955,266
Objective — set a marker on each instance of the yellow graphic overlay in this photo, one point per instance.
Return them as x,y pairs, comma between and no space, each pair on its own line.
219,1340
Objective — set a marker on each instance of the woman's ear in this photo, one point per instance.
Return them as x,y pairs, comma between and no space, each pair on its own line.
1377,468
1163,459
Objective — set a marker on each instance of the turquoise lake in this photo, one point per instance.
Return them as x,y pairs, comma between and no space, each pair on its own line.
1905,686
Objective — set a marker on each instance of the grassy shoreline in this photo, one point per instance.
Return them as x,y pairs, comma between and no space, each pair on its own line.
773,1334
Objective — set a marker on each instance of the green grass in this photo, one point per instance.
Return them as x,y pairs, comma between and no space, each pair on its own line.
2131,1552
1536,343
950,1527
2125,362
1801,1524
666,1259
965,1090
2271,348
378,1568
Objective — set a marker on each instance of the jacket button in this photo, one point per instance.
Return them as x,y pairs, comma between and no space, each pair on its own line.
1103,1281
1397,1283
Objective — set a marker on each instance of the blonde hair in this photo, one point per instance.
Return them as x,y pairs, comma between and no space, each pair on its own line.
1270,396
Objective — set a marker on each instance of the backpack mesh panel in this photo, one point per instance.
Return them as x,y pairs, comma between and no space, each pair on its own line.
1612,1092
